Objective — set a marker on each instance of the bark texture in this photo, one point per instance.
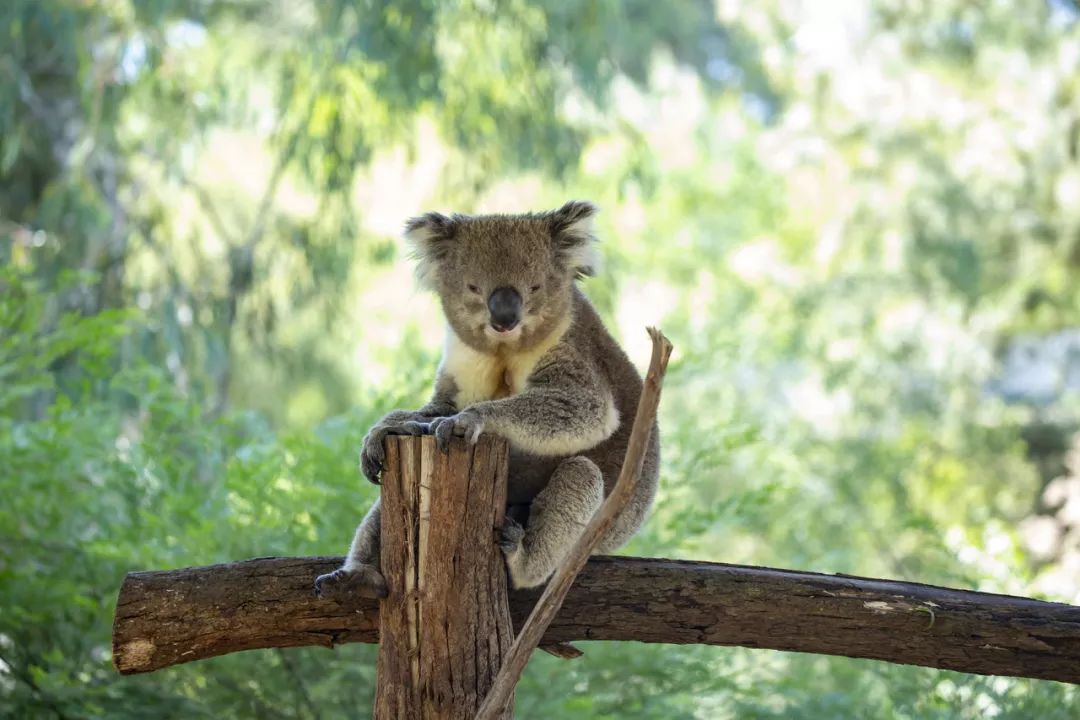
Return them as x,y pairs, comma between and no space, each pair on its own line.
445,625
169,617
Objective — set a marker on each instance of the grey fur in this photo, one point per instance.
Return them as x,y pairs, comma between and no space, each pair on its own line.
558,514
560,389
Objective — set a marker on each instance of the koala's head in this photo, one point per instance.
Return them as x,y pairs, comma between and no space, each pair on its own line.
504,280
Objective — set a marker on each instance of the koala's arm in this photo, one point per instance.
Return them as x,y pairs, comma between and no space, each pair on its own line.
565,408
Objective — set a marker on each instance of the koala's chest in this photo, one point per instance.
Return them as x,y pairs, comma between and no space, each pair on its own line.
479,376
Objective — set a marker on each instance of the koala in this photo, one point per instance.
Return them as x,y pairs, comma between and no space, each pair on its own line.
526,357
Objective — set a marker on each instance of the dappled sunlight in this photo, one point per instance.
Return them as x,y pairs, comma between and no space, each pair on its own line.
642,305
389,306
400,181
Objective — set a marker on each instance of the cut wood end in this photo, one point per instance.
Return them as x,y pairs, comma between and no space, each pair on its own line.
566,651
133,657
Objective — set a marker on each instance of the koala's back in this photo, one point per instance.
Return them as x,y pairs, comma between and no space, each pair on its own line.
591,341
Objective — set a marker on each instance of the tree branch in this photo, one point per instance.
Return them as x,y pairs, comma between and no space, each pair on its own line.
169,617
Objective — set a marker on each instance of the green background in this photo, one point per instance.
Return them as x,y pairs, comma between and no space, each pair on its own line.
847,216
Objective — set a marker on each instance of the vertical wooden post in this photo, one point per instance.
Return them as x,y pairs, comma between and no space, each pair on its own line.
445,625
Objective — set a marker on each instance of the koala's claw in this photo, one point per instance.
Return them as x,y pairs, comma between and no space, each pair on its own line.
413,427
371,459
466,424
329,580
373,455
364,580
443,430
510,536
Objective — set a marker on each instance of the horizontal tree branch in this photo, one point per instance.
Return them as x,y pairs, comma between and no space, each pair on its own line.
169,617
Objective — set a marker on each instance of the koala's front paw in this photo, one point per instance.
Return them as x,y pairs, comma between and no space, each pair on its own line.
467,424
364,580
372,455
510,536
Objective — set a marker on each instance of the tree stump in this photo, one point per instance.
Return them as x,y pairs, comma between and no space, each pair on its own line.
445,625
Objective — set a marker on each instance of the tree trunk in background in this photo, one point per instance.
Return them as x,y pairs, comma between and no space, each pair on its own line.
445,626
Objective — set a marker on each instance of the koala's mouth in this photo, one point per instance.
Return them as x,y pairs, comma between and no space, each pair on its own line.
503,335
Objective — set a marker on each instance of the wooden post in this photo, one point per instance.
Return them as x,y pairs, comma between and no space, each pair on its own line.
445,625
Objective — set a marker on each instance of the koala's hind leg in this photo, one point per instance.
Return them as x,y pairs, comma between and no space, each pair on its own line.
556,520
361,569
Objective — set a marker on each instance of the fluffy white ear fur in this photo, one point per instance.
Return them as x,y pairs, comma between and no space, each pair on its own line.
417,240
574,232
426,237
583,255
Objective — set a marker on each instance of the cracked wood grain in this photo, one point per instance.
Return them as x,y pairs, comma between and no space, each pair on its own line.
445,626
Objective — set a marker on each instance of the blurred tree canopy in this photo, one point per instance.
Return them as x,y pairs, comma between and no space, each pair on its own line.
845,215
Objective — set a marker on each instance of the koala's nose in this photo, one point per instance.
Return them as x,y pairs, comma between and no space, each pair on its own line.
504,305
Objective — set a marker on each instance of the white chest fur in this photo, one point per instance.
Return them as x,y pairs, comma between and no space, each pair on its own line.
482,376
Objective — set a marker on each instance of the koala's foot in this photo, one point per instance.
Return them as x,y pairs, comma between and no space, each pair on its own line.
522,565
557,517
510,536
363,580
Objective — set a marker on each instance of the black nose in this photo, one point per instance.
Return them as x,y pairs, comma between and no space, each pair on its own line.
505,308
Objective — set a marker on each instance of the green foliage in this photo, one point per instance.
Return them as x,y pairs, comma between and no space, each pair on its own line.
124,473
839,216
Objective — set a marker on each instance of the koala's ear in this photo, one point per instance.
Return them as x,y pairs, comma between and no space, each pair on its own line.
574,237
429,237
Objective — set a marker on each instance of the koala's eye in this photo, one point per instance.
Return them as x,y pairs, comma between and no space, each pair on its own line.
473,289
534,288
